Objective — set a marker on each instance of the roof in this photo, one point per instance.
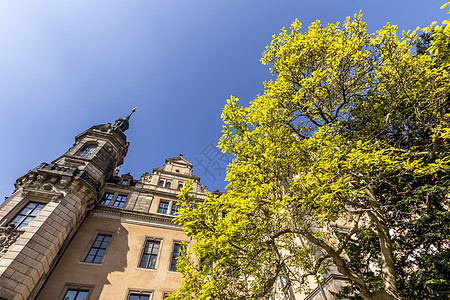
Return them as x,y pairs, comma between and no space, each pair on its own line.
179,160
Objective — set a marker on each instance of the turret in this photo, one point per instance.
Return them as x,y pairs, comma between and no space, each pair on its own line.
50,202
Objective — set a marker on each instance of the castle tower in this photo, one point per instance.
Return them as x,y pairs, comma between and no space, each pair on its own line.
48,205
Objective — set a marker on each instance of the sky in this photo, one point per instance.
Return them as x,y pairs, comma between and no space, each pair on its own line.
68,65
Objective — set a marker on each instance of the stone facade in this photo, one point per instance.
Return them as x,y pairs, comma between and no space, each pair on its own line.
74,229
132,212
45,215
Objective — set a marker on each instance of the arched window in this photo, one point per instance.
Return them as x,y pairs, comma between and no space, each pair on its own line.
86,151
168,184
180,186
161,183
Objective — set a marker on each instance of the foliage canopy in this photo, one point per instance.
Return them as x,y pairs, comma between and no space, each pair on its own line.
342,165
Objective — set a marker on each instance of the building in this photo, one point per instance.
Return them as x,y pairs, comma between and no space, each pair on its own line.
73,229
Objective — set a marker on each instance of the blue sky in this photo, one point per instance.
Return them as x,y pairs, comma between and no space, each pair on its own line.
68,65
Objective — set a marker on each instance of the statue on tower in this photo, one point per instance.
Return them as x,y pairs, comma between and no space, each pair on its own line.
123,123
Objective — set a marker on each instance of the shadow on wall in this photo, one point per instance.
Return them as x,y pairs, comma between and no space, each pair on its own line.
98,249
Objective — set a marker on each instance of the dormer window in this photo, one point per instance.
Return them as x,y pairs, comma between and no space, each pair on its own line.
86,151
168,184
124,182
161,183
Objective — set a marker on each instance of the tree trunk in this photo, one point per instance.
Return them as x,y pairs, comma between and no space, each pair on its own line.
387,254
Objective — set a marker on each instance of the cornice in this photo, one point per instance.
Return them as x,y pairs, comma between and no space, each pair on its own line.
130,215
154,191
162,171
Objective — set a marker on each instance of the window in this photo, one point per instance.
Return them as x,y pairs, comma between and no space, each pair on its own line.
168,184
86,151
124,182
180,186
74,294
27,214
177,249
161,183
134,296
174,209
106,198
203,265
149,255
97,250
120,200
163,207
166,295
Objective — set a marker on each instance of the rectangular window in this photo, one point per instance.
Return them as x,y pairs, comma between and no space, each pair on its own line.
135,296
204,265
175,208
120,200
166,295
163,207
124,182
98,249
177,249
106,198
75,294
149,255
27,214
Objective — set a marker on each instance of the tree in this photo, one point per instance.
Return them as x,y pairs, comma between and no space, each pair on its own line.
337,163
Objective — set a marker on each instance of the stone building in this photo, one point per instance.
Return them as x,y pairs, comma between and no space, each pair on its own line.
73,229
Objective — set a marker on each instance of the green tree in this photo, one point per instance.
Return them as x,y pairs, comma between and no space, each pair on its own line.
336,163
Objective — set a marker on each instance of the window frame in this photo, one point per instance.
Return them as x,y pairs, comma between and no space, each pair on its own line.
123,202
141,292
174,203
172,254
91,242
158,255
202,265
19,212
109,200
83,147
75,286
168,206
112,201
98,249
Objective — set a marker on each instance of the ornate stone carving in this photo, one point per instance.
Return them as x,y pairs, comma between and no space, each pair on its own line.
63,182
47,187
146,178
8,236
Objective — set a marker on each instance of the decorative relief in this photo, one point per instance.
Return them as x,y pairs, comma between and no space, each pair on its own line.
63,182
8,236
40,178
146,178
48,187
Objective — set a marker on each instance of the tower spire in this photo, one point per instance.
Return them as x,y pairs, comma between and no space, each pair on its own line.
124,123
132,111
